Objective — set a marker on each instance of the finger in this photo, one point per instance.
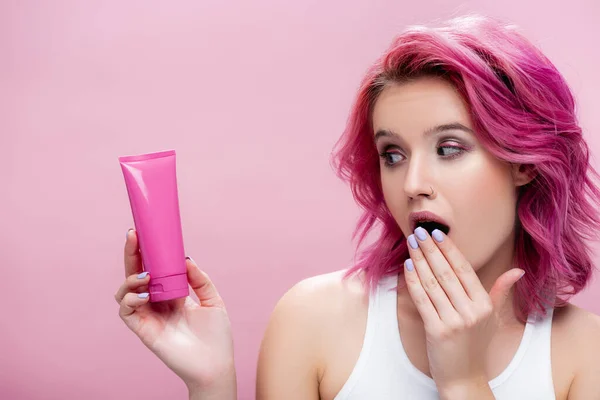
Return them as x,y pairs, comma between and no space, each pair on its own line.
429,282
202,285
133,258
501,289
132,302
425,307
462,268
133,283
443,272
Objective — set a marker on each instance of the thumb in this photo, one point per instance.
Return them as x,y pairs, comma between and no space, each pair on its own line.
501,289
202,285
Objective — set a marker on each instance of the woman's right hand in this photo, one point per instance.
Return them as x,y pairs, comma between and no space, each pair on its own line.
193,340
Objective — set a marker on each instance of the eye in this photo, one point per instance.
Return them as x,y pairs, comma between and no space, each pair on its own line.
390,158
449,151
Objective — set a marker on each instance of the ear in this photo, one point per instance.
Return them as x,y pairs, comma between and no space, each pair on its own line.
523,173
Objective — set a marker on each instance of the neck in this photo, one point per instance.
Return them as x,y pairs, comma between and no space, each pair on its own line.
500,262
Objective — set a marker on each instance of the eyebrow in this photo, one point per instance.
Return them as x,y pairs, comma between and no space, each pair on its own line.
436,129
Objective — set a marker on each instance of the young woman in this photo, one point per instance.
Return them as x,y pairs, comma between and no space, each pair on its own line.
464,151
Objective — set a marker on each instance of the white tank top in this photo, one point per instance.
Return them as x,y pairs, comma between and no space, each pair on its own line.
383,370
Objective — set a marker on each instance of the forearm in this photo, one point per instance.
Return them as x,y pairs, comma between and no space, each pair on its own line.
472,390
224,389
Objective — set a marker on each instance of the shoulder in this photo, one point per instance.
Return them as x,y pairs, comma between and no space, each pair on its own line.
299,329
581,324
578,336
321,300
331,292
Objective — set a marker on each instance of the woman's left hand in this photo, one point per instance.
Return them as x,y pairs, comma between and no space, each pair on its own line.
459,315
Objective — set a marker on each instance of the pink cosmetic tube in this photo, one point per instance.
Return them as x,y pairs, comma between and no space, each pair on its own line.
151,182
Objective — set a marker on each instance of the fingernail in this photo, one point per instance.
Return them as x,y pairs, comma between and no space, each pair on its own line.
191,259
409,264
142,275
143,295
438,235
520,276
127,234
421,233
413,242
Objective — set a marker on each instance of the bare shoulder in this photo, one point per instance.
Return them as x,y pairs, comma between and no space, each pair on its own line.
295,341
579,322
576,339
577,330
325,295
323,300
581,326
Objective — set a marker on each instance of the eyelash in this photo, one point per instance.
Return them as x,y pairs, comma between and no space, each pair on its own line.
384,154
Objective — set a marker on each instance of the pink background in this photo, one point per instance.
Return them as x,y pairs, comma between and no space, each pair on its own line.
252,95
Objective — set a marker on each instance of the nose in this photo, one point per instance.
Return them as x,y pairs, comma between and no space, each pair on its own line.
417,182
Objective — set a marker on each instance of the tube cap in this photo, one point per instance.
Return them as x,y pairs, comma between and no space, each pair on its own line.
168,287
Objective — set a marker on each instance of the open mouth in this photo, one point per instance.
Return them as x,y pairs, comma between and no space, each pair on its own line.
430,226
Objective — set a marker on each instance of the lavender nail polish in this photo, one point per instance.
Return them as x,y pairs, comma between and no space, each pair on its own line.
437,235
191,259
421,233
413,242
142,275
409,264
143,295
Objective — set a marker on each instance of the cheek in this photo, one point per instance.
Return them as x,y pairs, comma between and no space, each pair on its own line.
391,185
395,200
485,213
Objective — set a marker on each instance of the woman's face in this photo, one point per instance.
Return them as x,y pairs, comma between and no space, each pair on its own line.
473,191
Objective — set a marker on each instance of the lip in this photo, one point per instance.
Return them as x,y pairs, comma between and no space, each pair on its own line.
415,217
